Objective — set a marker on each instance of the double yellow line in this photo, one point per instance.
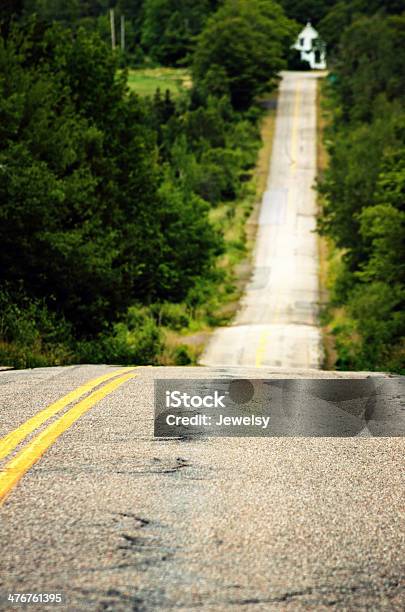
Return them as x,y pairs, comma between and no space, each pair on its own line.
15,469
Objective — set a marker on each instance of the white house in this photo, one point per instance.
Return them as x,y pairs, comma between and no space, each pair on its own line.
311,47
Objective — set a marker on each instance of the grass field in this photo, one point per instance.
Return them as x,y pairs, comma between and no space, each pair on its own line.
146,81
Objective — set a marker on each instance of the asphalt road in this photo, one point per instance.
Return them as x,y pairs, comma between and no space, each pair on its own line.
114,519
277,324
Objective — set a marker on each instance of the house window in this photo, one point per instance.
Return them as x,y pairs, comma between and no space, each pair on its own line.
302,40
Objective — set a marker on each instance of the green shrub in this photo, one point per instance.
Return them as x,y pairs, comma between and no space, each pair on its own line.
173,316
31,335
135,341
181,356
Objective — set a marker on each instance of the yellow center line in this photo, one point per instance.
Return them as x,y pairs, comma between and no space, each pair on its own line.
13,439
33,451
294,146
261,348
294,133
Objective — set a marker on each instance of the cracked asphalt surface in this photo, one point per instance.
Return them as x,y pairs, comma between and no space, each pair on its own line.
118,520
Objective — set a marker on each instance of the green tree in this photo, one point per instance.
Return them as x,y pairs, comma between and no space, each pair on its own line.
245,40
84,220
382,226
343,13
364,189
350,181
169,28
370,64
67,11
307,10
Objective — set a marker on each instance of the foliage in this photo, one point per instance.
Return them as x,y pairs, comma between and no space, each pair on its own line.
86,219
364,192
342,13
68,206
307,10
349,183
169,27
244,42
136,339
370,65
30,335
33,336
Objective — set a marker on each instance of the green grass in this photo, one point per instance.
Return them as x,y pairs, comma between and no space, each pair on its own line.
146,81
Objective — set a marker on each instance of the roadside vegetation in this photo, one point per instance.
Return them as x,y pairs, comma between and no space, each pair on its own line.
363,195
123,215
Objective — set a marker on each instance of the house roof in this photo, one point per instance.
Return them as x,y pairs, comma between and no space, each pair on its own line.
309,31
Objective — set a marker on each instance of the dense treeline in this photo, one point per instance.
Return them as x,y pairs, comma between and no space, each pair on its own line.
341,14
162,31
364,191
86,220
105,198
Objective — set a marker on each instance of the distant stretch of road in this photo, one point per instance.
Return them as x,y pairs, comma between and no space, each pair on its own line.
277,324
